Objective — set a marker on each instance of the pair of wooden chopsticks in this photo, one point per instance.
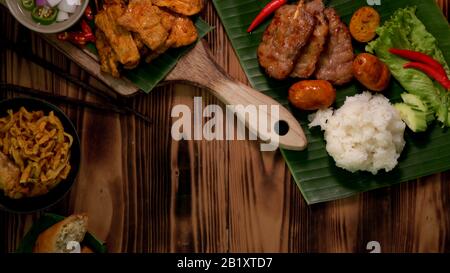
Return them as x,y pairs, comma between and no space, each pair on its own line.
6,87
113,105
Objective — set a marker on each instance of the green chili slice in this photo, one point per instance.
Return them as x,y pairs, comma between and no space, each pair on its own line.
28,4
44,15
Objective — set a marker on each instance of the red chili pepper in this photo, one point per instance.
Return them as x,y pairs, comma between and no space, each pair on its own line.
87,30
90,37
78,38
85,27
88,13
430,71
266,12
419,57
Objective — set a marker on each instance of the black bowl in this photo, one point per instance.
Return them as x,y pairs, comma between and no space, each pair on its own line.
31,204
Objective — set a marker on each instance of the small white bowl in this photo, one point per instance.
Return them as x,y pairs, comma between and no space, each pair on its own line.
24,17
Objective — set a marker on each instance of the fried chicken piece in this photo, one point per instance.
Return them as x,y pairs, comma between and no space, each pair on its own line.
9,177
283,40
182,33
143,50
336,62
310,54
149,21
118,37
185,7
108,59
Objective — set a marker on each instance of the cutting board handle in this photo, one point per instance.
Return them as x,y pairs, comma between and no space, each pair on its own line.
198,68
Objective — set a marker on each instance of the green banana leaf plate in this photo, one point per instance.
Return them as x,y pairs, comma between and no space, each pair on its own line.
44,222
314,170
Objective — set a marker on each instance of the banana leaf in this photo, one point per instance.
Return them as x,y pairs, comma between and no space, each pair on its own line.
314,170
44,222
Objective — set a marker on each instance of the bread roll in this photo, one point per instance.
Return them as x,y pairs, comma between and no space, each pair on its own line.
56,238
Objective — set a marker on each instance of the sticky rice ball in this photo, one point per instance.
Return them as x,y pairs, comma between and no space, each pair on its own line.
365,134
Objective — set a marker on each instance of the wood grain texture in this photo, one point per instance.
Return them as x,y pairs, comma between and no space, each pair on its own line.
144,192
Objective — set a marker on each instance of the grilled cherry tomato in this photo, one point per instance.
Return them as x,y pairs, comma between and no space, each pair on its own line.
28,4
44,15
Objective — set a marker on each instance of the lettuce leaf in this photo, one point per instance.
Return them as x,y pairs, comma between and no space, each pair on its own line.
405,31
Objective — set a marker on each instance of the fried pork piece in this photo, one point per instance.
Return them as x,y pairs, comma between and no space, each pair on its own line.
143,50
182,33
335,64
118,37
283,40
310,54
108,59
185,7
150,22
9,177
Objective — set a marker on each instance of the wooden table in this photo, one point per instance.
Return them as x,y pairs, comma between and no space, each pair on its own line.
144,192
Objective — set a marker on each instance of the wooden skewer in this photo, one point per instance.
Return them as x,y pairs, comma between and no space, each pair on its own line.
301,3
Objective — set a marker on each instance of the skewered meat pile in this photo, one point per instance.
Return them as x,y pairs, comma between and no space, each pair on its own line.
130,30
307,39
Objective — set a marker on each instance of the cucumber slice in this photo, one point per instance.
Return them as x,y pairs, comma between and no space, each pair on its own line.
417,104
415,119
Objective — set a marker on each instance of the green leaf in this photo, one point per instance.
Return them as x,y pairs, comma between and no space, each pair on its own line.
313,169
404,30
47,220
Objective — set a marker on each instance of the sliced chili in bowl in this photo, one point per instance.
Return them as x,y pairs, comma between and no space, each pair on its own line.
28,4
44,15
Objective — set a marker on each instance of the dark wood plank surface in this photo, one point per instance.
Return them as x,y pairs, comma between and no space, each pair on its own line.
144,192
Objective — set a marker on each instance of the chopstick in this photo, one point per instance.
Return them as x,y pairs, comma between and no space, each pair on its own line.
23,52
114,103
5,87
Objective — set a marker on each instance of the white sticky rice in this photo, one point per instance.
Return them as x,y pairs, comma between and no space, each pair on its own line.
365,134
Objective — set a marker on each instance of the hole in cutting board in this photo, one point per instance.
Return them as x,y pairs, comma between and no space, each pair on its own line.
281,127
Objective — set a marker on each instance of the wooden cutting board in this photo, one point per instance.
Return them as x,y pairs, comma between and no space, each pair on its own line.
191,69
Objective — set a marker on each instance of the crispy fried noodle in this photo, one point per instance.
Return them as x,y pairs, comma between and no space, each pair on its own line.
39,147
